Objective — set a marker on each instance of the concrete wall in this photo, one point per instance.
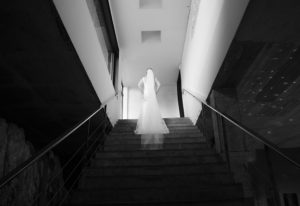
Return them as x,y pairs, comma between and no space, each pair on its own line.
134,103
212,26
78,22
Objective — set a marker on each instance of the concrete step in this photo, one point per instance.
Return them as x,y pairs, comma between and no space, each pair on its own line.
170,135
137,140
149,161
155,181
228,202
167,120
179,131
174,124
183,169
170,127
194,193
133,124
154,153
169,146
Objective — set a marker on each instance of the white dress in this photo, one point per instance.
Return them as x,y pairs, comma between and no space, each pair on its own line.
150,120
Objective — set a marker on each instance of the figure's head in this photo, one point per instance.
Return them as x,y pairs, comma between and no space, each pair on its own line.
149,71
149,68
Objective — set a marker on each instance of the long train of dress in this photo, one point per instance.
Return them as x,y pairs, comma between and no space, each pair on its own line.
150,124
150,120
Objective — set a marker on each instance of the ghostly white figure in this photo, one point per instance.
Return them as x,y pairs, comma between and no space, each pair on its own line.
150,123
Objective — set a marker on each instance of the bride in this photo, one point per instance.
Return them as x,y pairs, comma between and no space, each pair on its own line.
150,124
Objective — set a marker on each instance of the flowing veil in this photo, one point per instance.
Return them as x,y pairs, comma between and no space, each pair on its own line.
150,120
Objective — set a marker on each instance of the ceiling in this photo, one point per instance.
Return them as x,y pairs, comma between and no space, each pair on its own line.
150,33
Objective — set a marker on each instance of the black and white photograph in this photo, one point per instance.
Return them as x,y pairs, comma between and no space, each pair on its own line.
150,103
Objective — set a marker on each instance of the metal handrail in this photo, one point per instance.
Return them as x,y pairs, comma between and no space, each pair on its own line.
243,128
12,174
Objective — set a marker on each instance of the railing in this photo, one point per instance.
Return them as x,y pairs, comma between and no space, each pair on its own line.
247,131
267,176
85,151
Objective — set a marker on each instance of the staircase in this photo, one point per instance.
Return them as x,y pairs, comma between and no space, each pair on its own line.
186,171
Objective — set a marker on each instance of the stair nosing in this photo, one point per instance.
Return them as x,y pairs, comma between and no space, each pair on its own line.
223,163
168,175
155,151
163,156
169,143
164,187
241,199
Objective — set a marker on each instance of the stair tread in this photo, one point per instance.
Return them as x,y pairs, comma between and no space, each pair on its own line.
169,143
182,119
147,156
171,128
172,125
207,168
161,166
169,125
170,135
181,131
227,202
157,160
166,188
194,193
178,146
185,171
165,141
94,172
153,153
150,180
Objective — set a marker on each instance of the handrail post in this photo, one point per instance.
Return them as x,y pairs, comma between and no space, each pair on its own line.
105,123
43,185
222,130
226,147
275,192
88,130
87,139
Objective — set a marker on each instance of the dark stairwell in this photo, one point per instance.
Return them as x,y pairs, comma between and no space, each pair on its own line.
186,171
45,90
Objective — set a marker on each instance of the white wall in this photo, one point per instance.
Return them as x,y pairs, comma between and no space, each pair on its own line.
212,26
191,106
78,22
168,101
134,102
113,111
166,97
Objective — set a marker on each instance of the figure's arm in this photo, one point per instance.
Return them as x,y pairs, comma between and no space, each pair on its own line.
157,85
141,84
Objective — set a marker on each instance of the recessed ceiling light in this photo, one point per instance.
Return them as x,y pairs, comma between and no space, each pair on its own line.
151,36
150,4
